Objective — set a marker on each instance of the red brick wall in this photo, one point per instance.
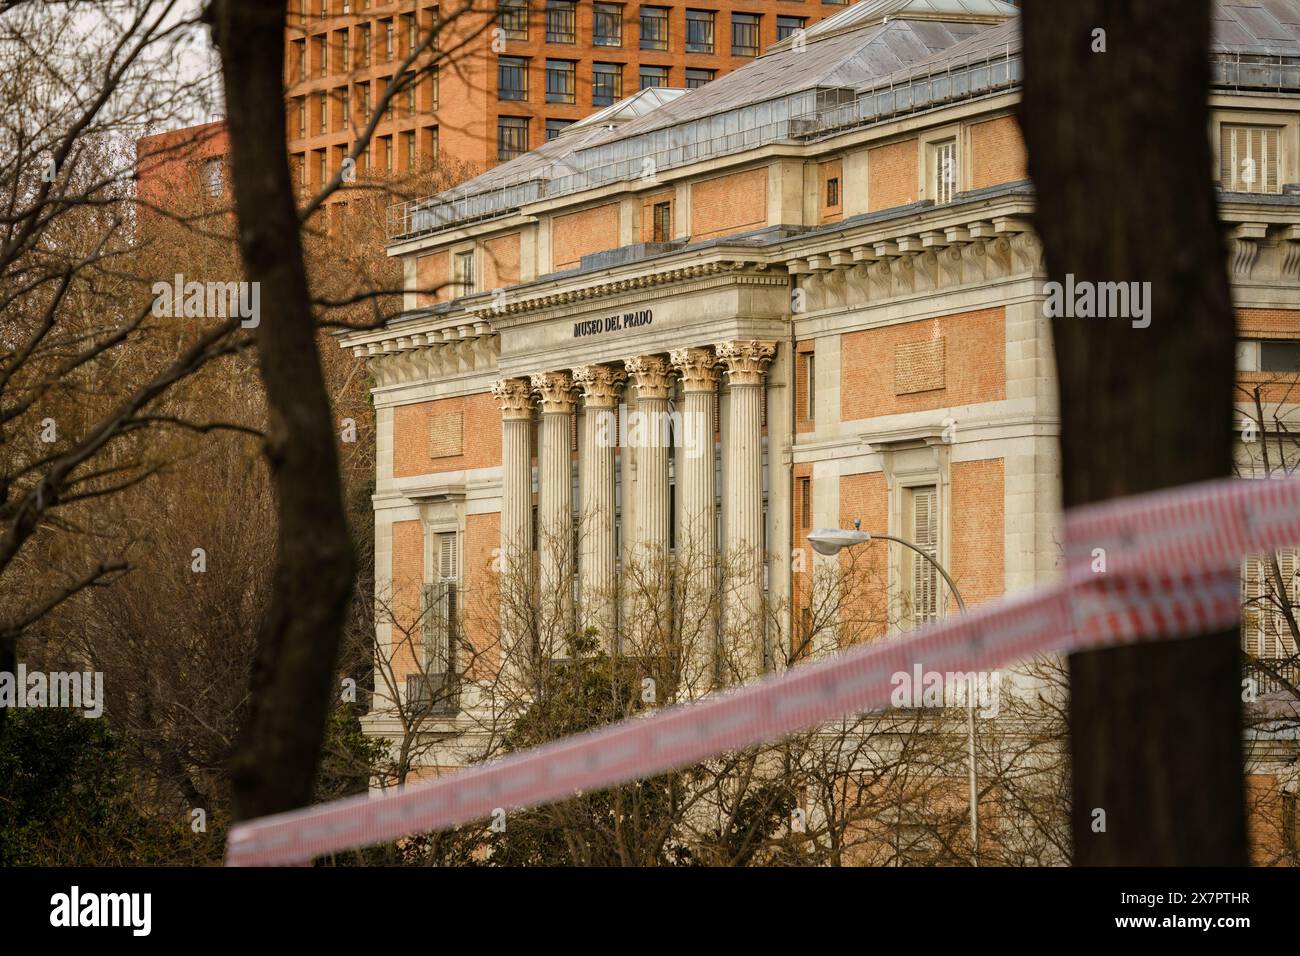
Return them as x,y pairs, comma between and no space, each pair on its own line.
976,525
997,153
647,214
1268,324
501,262
728,204
865,568
412,435
581,233
431,277
974,364
891,175
408,575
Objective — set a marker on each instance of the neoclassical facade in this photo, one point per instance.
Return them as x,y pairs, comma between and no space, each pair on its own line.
814,286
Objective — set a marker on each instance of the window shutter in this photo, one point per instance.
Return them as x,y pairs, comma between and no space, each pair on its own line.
945,171
1248,159
1252,611
925,535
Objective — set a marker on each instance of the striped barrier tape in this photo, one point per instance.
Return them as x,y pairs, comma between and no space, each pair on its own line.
1194,536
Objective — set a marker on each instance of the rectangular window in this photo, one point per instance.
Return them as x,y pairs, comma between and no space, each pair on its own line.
465,273
810,386
431,144
212,176
744,34
1279,356
345,106
364,52
607,25
1249,159
606,83
409,30
786,26
554,127
699,31
389,40
387,152
365,102
408,147
300,56
560,81
944,164
513,17
663,222
434,688
653,76
654,28
1265,632
695,78
512,78
322,174
923,531
322,107
302,116
345,50
805,502
560,21
512,137
322,55
833,191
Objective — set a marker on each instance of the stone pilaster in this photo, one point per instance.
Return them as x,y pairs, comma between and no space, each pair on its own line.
651,376
746,365
601,387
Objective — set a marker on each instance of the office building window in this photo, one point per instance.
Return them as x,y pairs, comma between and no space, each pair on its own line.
345,50
560,81
513,17
389,40
302,116
300,57
411,32
512,78
699,31
1248,159
408,146
606,83
744,34
786,26
653,76
695,78
554,127
607,25
322,55
512,137
561,20
654,28
322,108
365,41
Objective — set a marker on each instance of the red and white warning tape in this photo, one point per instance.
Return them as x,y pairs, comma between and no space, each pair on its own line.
1154,566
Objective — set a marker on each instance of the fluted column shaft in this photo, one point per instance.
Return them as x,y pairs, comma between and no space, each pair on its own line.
555,510
515,564
697,533
746,364
597,453
650,375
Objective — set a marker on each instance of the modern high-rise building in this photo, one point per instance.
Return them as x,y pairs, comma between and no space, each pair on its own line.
511,74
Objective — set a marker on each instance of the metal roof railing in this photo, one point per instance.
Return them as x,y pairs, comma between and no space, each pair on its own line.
807,114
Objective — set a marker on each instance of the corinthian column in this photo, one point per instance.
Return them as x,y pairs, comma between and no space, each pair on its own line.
555,512
746,364
697,534
650,374
515,565
600,385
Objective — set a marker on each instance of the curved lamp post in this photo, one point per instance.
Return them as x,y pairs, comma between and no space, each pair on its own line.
829,542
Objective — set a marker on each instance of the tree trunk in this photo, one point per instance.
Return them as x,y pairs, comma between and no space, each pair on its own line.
297,646
1120,159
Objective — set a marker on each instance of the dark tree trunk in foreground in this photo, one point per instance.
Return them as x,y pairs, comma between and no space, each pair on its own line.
1119,154
293,670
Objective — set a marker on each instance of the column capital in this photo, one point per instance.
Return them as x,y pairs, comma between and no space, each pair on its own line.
746,362
556,391
697,367
651,375
600,384
515,398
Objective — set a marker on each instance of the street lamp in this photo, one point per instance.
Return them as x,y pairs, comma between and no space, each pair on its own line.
829,542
